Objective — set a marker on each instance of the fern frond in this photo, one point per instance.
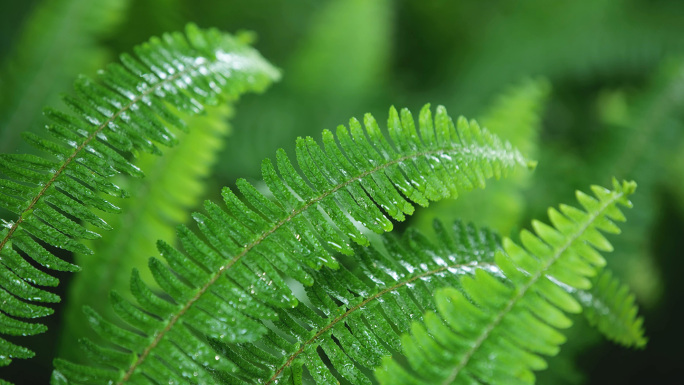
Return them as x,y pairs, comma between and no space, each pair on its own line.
633,147
173,186
517,113
58,41
126,109
494,332
610,306
221,288
355,315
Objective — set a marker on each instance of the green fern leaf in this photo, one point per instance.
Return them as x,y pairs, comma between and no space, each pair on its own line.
126,109
610,306
494,332
221,288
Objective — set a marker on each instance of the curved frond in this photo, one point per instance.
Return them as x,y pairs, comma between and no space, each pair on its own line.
125,110
495,332
223,288
610,306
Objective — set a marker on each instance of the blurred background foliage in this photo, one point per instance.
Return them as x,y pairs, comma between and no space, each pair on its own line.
592,89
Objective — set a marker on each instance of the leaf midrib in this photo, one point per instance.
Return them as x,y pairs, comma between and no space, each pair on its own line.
523,290
176,317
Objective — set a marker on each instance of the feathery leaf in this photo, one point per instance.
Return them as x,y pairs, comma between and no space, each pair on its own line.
172,187
494,331
126,109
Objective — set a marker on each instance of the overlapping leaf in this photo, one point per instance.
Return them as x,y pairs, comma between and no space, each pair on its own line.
223,287
126,109
495,332
173,186
353,317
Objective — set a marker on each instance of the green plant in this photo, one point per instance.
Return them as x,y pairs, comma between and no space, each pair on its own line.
230,307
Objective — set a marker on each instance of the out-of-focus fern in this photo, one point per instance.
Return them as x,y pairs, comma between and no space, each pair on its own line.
172,187
127,109
360,32
572,41
494,332
339,65
147,18
676,170
57,43
221,289
632,147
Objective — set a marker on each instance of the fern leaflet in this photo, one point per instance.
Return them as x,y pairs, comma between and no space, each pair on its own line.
221,288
